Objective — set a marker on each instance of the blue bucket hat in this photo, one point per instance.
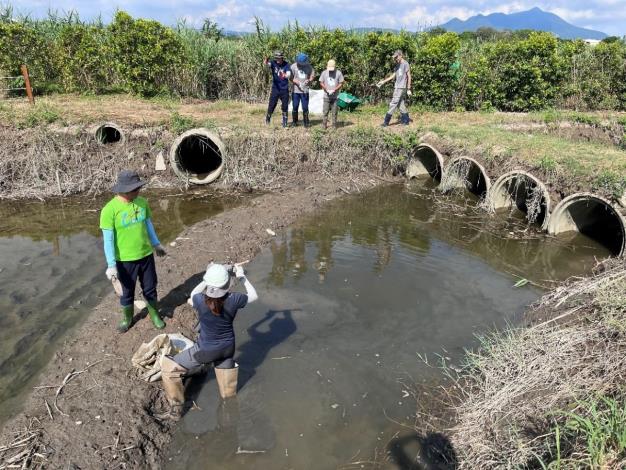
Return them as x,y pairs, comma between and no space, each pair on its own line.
302,58
127,181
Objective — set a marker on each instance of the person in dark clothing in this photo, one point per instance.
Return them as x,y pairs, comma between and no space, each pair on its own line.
302,75
217,308
281,72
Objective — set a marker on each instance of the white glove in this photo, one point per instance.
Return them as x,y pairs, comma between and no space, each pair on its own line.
239,273
159,250
409,93
111,273
379,84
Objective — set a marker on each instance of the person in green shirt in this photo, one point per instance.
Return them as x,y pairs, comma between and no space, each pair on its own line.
129,243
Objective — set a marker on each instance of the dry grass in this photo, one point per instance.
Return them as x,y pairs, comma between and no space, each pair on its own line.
494,139
518,387
42,163
26,449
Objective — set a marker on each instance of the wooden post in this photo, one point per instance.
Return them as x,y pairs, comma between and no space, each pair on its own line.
29,90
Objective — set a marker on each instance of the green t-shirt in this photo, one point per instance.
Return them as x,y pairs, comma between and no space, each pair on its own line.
127,220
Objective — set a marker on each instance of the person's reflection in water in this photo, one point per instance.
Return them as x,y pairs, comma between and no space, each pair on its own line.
297,253
279,262
280,326
384,247
324,257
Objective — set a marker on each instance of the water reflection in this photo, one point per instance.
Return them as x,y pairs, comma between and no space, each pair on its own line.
348,299
390,216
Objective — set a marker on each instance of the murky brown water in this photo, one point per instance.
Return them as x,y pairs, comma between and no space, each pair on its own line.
52,274
351,299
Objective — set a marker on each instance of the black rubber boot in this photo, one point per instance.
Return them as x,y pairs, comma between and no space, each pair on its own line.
386,121
267,119
285,115
305,118
294,119
404,119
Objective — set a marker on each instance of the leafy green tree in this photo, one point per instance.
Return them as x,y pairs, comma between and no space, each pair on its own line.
148,55
434,75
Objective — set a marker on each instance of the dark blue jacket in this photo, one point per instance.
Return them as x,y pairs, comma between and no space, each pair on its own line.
280,79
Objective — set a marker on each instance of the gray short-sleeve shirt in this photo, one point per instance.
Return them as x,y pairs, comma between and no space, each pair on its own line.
301,73
331,80
402,71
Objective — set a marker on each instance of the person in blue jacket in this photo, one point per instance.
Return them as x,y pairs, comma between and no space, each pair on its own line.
281,72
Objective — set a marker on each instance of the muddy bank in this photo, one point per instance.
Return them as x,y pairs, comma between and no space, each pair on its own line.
59,161
104,417
50,161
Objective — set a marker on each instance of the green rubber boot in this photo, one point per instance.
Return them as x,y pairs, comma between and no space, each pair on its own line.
154,315
127,318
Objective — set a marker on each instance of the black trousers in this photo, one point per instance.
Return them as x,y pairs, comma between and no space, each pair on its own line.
129,271
276,95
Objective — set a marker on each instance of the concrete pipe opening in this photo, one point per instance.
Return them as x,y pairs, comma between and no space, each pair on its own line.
198,156
465,172
593,216
425,161
109,133
524,191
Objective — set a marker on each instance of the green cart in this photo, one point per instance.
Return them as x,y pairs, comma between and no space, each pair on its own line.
347,101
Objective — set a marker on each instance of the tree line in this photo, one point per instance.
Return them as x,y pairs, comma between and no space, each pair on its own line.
486,70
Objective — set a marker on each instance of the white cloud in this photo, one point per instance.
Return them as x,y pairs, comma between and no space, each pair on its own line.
605,15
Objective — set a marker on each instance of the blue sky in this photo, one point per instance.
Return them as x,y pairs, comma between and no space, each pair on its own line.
608,16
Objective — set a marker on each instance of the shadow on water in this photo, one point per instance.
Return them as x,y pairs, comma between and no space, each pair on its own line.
415,451
280,326
377,278
249,356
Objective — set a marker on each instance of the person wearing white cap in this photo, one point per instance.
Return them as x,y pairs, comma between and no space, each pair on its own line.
331,81
401,90
217,308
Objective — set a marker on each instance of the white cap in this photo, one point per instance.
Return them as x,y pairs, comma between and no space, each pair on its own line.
217,278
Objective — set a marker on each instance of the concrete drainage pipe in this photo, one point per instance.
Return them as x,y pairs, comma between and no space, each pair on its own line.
109,133
523,190
593,216
465,172
425,160
198,156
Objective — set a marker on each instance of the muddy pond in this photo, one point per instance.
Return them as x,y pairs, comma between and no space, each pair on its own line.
357,304
353,301
52,274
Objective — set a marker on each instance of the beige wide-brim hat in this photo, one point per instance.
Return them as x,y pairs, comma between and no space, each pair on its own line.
330,65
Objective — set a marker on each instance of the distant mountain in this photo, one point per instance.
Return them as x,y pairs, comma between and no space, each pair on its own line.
374,30
536,19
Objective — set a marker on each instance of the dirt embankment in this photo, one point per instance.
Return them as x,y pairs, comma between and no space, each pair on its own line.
90,411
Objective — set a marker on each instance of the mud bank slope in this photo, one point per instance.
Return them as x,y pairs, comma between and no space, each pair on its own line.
104,417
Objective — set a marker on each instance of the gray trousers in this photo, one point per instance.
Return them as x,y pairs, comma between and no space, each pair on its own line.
330,106
222,358
398,100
